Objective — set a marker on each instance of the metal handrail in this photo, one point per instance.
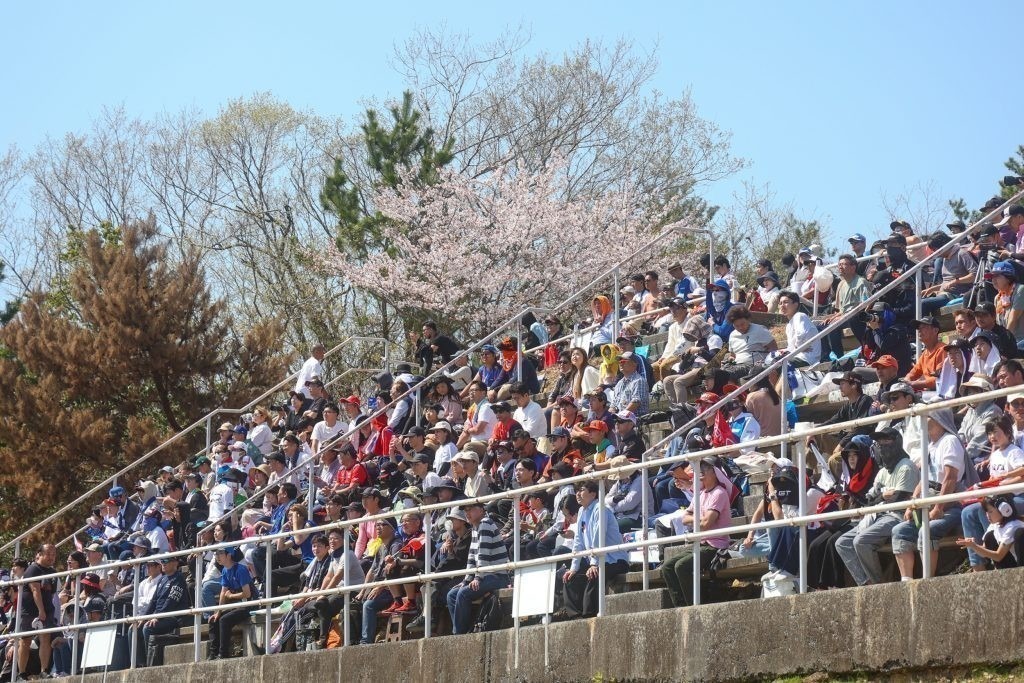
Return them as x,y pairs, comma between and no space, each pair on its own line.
641,543
16,541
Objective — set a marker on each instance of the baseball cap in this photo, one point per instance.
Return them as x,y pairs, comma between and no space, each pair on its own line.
626,416
519,434
851,377
956,227
927,320
559,431
885,361
1004,268
900,225
1008,213
421,459
856,237
709,398
899,388
596,426
630,356
116,492
467,455
441,424
501,407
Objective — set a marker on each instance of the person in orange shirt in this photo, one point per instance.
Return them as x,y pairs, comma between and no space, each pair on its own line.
925,371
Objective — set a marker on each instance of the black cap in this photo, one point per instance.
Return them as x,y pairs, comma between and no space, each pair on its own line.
888,434
416,430
955,227
987,230
896,239
985,307
421,459
501,407
900,225
278,456
992,203
371,492
519,434
927,320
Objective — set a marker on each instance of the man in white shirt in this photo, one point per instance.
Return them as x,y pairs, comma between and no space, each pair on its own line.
480,420
677,308
310,369
328,428
528,413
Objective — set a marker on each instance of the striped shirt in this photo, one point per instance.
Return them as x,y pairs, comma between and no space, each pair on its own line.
485,549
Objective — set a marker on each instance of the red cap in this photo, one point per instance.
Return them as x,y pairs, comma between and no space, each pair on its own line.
709,398
596,426
353,399
885,361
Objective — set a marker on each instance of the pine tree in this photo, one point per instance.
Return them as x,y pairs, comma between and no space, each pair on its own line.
134,348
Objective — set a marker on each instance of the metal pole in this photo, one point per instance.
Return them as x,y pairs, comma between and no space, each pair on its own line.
387,356
209,432
17,548
801,469
428,586
644,515
926,529
17,629
516,521
310,488
134,628
783,417
78,615
697,493
600,544
615,304
268,585
917,315
347,627
197,621
519,350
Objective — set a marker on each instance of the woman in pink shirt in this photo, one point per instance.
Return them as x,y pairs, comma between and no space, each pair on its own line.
715,513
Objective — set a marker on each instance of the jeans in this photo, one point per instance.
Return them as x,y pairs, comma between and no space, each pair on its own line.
211,593
371,608
931,304
906,536
760,547
859,548
461,597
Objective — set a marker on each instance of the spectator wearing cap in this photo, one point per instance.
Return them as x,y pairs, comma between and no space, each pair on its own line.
799,329
851,291
477,481
352,475
170,594
1009,299
887,370
490,373
315,408
1010,228
946,465
352,407
598,436
344,570
1005,465
373,599
525,446
858,247
718,299
313,367
723,271
984,354
480,418
979,412
505,424
625,495
923,374
503,474
224,433
527,413
985,315
855,406
236,586
560,439
424,477
562,386
432,345
486,549
443,434
896,481
597,528
629,442
958,271
632,392
663,365
569,414
599,409
545,542
884,335
451,554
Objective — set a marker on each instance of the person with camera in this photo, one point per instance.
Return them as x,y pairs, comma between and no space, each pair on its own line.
883,335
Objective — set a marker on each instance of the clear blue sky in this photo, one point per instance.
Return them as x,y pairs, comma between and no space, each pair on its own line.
833,103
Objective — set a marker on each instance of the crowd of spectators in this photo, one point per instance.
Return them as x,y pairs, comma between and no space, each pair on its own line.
558,403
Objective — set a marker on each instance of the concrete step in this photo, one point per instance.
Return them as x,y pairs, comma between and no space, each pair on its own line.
637,601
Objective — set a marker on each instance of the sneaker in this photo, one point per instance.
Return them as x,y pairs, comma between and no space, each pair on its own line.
417,625
408,607
394,606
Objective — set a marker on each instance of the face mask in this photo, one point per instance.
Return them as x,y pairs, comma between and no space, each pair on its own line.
896,256
720,298
890,453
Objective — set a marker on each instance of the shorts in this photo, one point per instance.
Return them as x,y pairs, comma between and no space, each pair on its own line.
26,621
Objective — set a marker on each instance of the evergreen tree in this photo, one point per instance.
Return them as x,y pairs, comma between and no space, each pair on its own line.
134,348
1015,166
389,150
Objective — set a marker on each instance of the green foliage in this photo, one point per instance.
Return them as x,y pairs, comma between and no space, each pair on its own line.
72,256
1014,166
389,149
10,308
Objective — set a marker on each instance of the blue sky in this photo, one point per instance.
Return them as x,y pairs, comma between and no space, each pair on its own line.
833,103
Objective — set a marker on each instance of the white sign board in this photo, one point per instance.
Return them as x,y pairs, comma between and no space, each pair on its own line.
534,591
99,647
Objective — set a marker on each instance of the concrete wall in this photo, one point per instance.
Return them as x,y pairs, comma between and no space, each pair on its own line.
952,620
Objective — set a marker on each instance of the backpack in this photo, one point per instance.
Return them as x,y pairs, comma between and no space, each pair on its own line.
372,471
491,615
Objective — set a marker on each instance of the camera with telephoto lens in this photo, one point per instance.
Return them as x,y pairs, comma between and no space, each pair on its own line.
1012,181
869,317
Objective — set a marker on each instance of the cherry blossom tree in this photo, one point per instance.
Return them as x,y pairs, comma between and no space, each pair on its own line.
472,251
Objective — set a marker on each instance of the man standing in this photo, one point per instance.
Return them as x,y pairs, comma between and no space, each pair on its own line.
485,549
310,369
35,601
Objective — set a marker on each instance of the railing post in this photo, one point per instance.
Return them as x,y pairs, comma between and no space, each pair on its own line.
209,432
428,586
644,515
17,629
134,629
615,304
197,620
926,528
698,491
516,522
600,544
78,616
346,612
268,591
520,347
311,488
801,476
917,315
784,417
387,356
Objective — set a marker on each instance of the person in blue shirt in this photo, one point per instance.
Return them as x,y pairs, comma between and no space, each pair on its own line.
718,299
235,586
579,582
281,557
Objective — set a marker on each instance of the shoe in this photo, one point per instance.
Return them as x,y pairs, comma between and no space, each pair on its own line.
417,625
394,606
408,607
